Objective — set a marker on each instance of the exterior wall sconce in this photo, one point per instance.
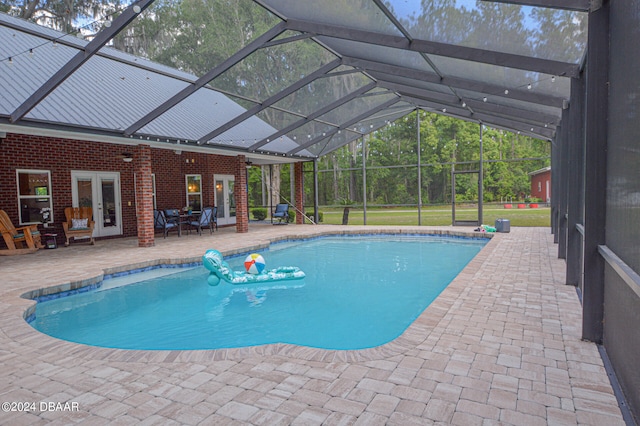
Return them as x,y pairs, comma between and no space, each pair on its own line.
127,157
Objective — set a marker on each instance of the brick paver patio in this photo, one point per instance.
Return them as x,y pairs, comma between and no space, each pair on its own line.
501,345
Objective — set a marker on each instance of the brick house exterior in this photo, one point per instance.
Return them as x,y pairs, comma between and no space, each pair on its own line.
60,156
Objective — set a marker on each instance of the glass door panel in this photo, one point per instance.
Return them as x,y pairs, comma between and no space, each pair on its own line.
220,196
107,189
225,199
231,197
85,192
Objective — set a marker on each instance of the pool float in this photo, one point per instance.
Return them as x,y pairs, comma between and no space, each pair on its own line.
485,228
220,270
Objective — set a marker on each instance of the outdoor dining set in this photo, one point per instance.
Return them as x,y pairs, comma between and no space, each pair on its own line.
175,219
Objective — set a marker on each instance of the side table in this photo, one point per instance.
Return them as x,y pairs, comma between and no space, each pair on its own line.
50,241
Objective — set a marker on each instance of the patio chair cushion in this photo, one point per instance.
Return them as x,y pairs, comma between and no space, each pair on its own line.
79,223
21,235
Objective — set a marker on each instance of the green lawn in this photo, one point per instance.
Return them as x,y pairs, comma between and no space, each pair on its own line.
438,216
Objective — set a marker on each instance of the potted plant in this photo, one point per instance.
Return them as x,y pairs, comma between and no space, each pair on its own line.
534,203
46,214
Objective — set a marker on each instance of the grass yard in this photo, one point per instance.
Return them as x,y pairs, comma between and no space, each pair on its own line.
439,216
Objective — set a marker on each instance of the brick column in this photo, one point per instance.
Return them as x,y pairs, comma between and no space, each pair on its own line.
299,188
241,196
144,196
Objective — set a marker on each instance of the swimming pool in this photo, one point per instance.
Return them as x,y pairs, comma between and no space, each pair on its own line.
359,292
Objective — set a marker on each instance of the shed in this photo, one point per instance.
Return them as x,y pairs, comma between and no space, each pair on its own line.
541,184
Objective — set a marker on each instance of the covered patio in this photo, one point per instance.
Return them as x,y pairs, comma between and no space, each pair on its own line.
502,344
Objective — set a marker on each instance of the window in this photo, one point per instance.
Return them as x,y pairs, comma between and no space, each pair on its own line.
34,196
194,192
539,186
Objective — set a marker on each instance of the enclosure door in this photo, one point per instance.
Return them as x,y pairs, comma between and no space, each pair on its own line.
225,199
466,217
101,192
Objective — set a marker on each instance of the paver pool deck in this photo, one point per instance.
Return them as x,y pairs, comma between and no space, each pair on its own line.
500,345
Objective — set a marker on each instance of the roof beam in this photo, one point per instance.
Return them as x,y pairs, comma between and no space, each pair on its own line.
503,59
272,100
346,124
573,5
291,39
540,131
443,100
414,91
502,122
107,33
453,82
314,115
516,113
206,78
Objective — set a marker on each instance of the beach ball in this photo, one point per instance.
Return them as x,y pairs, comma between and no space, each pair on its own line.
254,264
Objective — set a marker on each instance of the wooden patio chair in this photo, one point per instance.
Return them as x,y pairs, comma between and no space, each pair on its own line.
25,239
79,223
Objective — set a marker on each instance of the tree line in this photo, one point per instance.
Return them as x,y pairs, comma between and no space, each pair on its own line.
391,160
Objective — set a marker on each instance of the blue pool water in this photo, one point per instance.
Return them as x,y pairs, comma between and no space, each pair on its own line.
359,292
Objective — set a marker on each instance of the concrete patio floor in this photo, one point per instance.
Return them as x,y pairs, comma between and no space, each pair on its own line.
501,345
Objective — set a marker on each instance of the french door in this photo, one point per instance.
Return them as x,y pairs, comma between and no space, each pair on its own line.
225,199
101,192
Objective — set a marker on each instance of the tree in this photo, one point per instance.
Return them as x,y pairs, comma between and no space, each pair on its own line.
63,15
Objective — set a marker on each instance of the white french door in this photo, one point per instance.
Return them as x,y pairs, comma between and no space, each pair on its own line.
101,192
225,199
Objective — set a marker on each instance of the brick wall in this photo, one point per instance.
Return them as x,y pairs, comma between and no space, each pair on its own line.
170,170
240,194
61,156
144,196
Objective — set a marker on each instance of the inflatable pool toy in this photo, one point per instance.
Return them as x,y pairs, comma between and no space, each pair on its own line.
254,264
220,270
485,228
